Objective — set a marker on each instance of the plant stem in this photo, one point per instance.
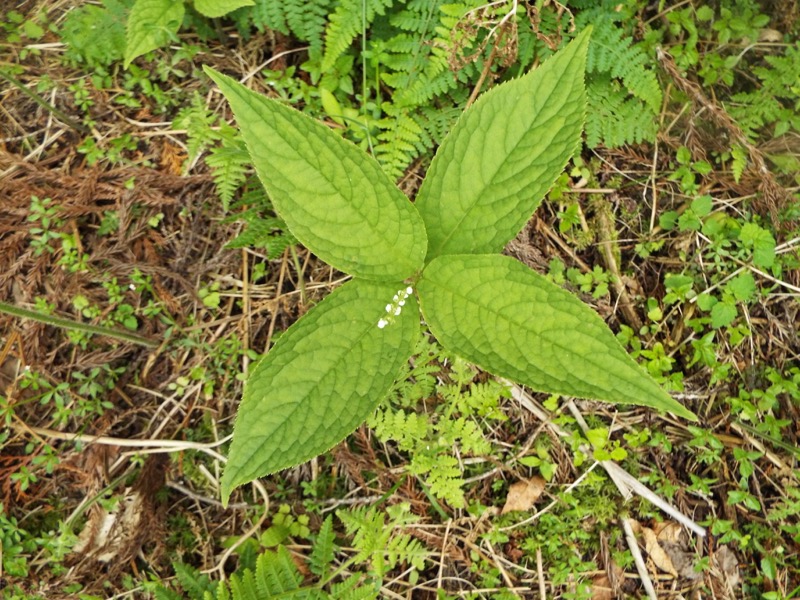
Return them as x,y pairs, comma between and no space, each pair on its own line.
300,283
24,313
44,103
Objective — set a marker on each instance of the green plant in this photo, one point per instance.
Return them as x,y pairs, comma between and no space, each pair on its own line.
17,543
432,410
227,155
623,92
95,35
263,229
153,23
378,542
325,375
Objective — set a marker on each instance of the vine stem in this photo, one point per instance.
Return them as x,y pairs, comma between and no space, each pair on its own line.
64,117
24,313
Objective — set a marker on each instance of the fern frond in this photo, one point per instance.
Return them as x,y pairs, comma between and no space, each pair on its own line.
355,588
399,141
197,120
229,162
614,118
324,549
612,52
383,544
409,430
270,14
268,233
243,588
442,474
774,101
304,20
162,593
223,593
437,80
406,549
276,573
193,583
346,22
308,20
276,576
263,229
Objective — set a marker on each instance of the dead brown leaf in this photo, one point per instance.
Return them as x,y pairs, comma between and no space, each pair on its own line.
726,561
523,494
674,542
669,532
656,553
601,588
172,158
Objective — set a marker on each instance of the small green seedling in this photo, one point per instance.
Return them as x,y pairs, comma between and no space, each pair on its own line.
441,254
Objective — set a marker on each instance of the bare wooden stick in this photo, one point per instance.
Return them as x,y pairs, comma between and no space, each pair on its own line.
633,544
625,482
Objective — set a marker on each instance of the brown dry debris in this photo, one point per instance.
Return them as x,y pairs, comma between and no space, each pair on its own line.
773,197
522,495
111,538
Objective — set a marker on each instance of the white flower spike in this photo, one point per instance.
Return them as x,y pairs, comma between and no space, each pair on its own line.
396,307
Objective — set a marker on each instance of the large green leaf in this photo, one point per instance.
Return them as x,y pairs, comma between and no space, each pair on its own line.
502,156
334,198
218,8
151,24
497,313
324,376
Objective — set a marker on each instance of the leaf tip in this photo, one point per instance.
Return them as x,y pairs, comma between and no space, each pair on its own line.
226,488
211,72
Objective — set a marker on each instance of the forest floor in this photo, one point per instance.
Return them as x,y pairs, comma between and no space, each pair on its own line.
113,446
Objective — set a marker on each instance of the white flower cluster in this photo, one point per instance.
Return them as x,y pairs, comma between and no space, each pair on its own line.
396,307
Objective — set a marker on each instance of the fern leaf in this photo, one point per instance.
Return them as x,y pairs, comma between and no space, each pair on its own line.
269,233
365,525
345,23
243,588
399,141
443,475
611,51
162,593
223,593
354,588
276,573
307,20
270,14
229,163
324,550
738,161
405,549
614,118
193,583
197,120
